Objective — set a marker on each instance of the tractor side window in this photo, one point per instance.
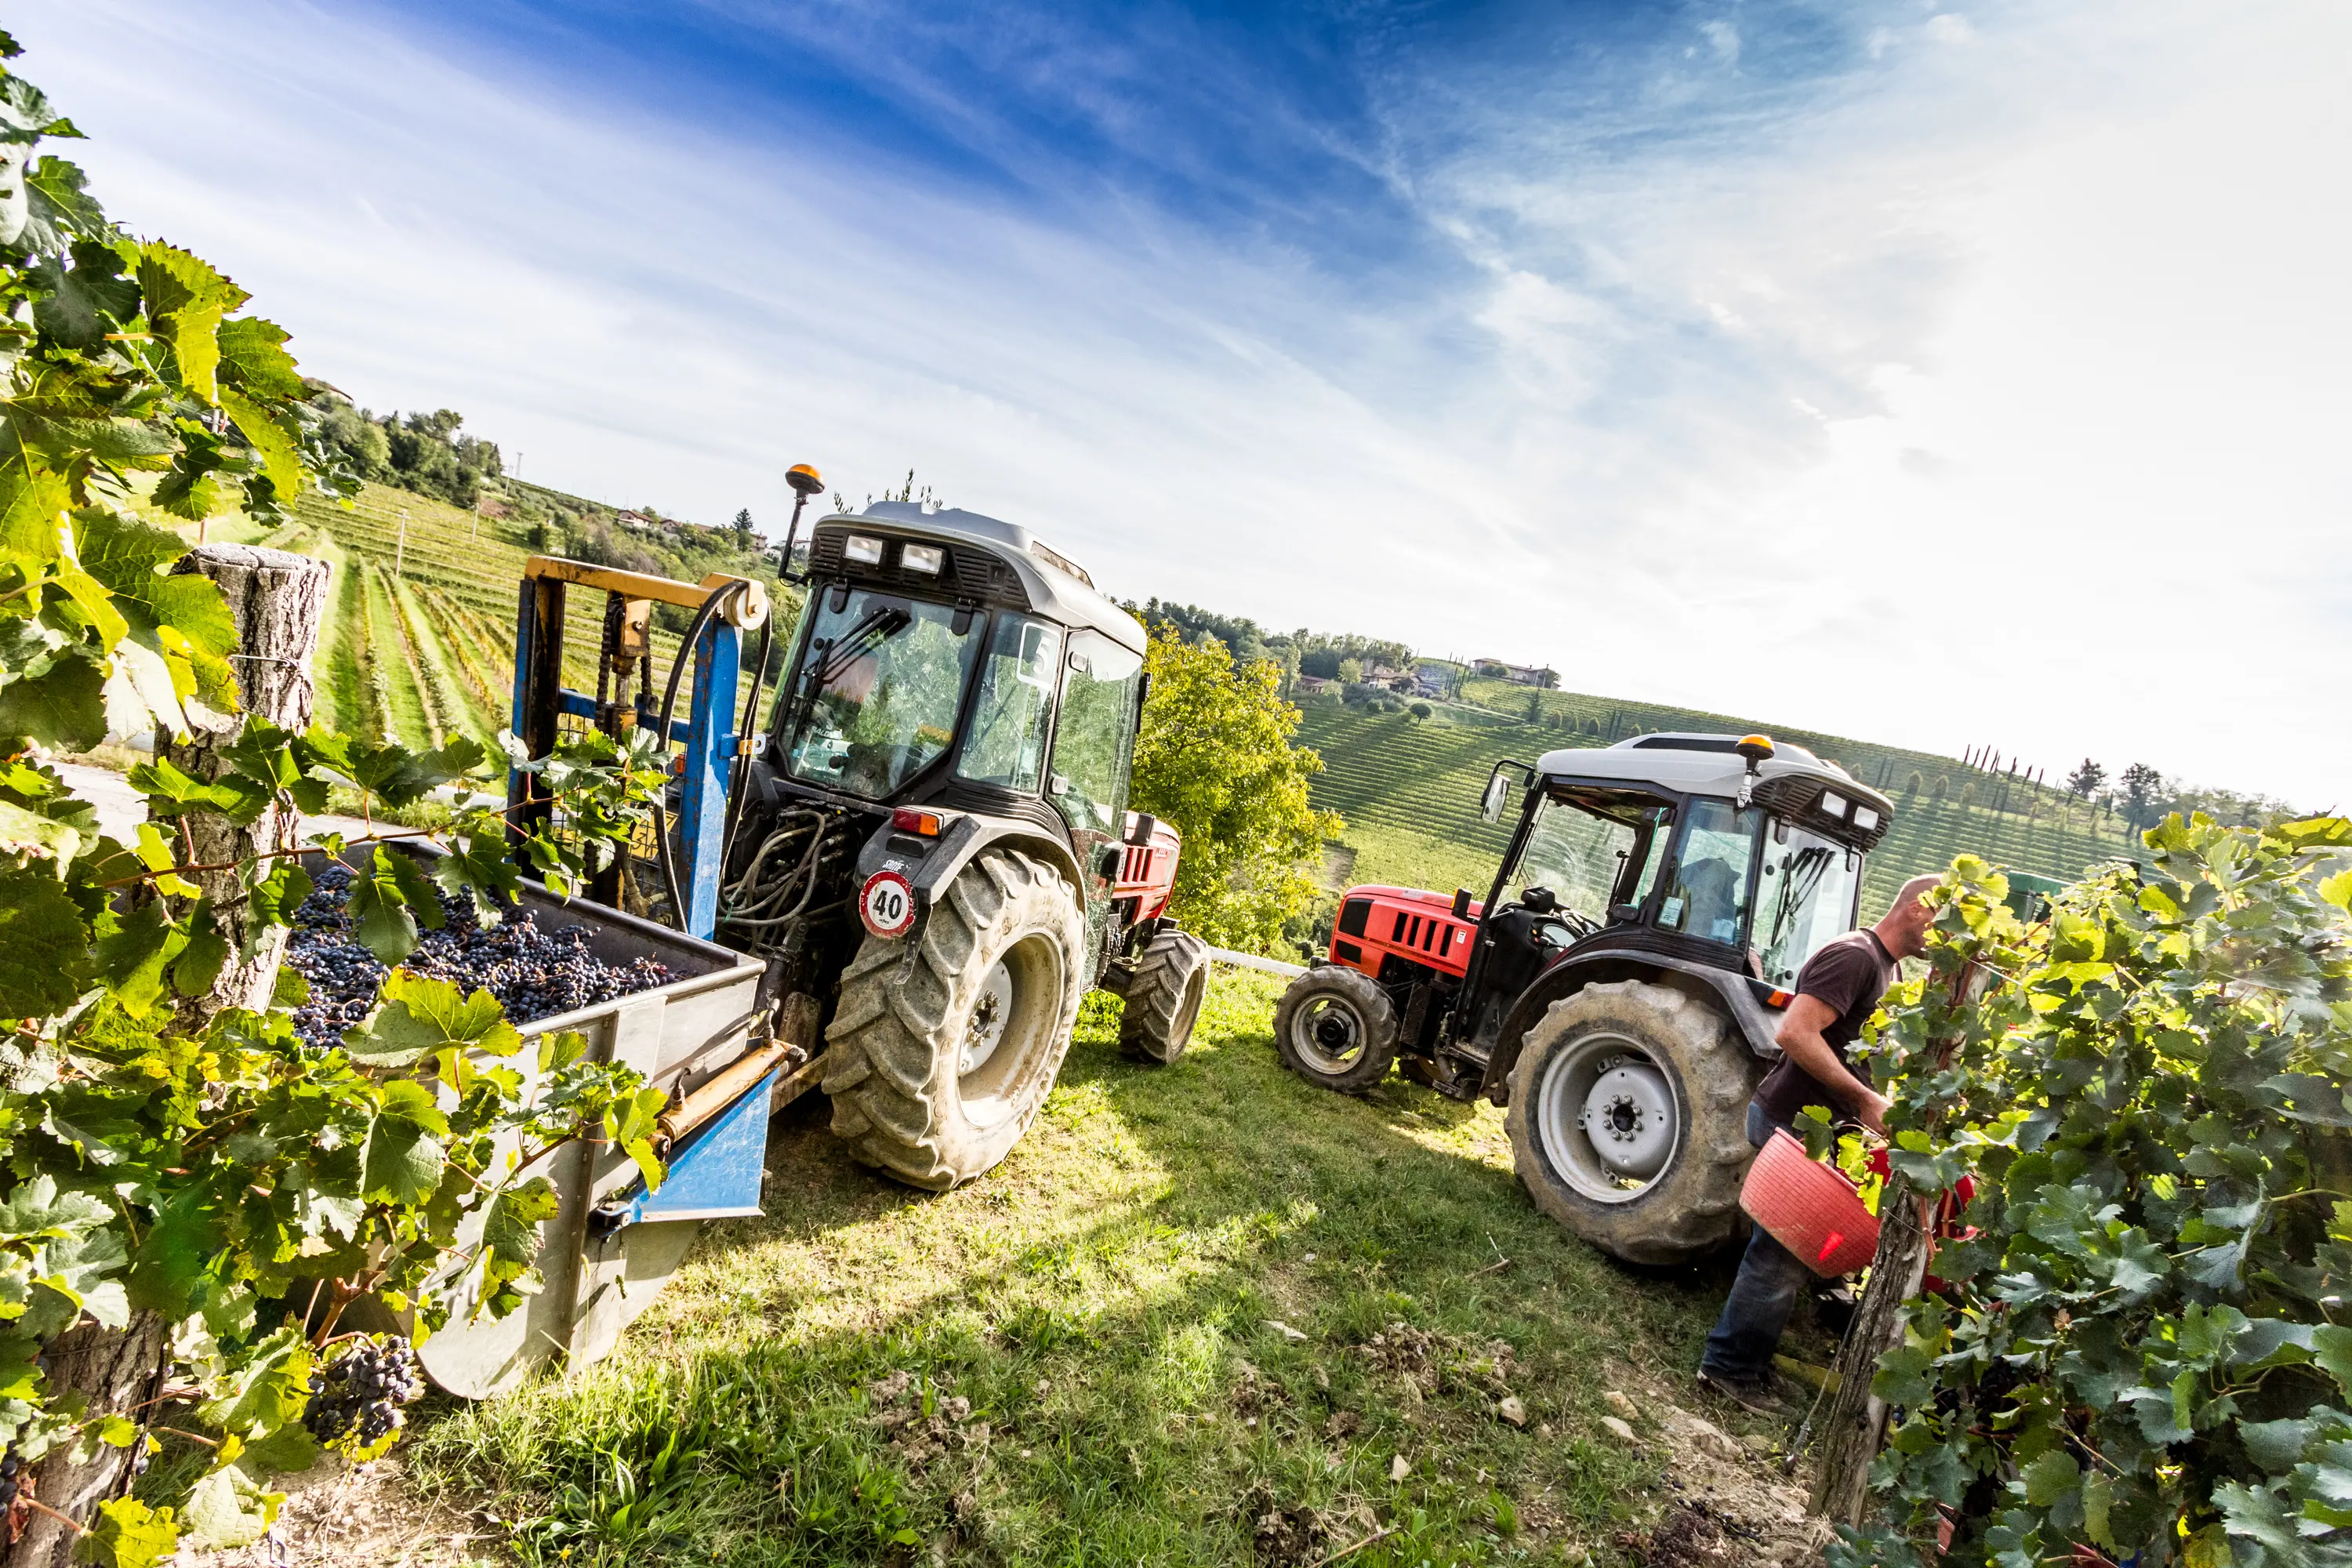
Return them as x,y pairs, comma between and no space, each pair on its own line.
1806,898
1576,855
1090,747
1007,744
1709,895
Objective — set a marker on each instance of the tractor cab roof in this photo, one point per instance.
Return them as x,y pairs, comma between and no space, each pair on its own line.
990,561
1792,782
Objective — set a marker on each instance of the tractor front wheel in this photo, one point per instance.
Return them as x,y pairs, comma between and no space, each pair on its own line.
947,1041
1163,997
1628,1119
1335,1027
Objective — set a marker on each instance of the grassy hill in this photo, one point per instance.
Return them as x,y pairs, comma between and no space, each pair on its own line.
1409,789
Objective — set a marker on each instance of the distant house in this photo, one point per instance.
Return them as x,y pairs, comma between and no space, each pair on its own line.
1520,674
1310,685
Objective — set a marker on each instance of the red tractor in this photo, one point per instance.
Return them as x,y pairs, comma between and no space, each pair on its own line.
1620,986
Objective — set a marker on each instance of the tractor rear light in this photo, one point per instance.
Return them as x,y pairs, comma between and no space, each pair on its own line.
926,822
1864,818
926,559
862,551
1780,998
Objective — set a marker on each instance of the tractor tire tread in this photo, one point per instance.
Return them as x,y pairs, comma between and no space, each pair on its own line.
1371,1004
1163,997
1693,1208
893,1047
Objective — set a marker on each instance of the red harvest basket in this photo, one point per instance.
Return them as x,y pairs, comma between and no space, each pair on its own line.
1809,1207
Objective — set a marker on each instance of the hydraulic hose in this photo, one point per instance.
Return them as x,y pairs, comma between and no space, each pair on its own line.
677,664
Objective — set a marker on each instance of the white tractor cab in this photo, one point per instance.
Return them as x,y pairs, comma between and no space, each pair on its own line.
1619,987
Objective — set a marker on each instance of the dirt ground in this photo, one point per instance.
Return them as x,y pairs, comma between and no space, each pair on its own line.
338,1516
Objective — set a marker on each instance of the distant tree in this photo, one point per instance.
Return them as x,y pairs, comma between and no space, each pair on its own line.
2085,780
745,539
1548,678
1535,708
1215,757
2143,793
1421,709
1593,728
1912,785
1942,788
1352,671
1969,792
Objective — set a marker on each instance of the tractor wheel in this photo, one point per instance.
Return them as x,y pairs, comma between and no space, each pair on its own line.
1163,997
1628,1119
946,1041
1335,1027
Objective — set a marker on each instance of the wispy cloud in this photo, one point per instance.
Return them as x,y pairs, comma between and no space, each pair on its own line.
1872,369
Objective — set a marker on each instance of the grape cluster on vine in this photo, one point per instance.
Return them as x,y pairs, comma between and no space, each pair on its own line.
534,974
12,1479
356,1399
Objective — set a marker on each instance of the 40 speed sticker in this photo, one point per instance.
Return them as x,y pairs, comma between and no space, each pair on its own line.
886,904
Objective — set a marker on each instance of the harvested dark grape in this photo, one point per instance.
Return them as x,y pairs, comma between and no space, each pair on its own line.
534,972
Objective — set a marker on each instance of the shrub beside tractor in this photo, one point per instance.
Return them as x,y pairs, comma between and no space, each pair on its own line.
1618,988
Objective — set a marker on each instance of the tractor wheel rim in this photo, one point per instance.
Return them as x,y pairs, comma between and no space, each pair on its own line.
1328,1035
1606,1116
991,1010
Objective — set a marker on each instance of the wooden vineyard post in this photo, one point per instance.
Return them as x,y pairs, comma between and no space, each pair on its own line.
275,598
1856,1425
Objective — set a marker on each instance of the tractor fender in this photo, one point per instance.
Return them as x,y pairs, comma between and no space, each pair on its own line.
964,835
1758,1025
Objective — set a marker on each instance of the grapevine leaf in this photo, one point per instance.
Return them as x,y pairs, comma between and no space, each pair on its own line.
379,910
265,1389
59,208
201,962
416,1017
2331,1347
287,1451
226,1509
511,1242
2051,1477
2256,1513
185,301
131,956
171,793
480,864
274,897
401,1162
129,1534
253,356
65,706
175,1254
2277,1446
88,302
44,954
272,436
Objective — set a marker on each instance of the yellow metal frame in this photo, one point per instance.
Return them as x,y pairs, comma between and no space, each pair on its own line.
748,610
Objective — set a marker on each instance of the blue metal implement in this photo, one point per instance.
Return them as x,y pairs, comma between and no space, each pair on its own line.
714,1175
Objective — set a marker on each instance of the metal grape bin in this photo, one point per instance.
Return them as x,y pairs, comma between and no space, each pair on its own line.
600,1271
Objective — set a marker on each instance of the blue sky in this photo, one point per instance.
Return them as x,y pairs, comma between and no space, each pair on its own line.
1945,375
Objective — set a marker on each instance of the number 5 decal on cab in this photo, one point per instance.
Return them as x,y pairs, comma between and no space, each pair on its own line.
887,905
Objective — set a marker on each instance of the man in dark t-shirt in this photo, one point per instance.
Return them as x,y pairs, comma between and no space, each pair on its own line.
1837,991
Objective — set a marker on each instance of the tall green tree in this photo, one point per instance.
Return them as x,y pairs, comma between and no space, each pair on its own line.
1217,758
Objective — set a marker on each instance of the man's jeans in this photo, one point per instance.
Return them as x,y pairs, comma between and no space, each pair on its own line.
1770,1279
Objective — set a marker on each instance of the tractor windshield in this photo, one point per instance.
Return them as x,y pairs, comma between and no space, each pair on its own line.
1805,897
877,699
1587,859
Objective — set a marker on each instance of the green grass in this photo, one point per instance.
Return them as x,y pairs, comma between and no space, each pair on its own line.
1102,1301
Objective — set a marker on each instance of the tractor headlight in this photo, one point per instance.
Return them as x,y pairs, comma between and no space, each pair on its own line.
1864,818
862,551
924,558
1833,805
